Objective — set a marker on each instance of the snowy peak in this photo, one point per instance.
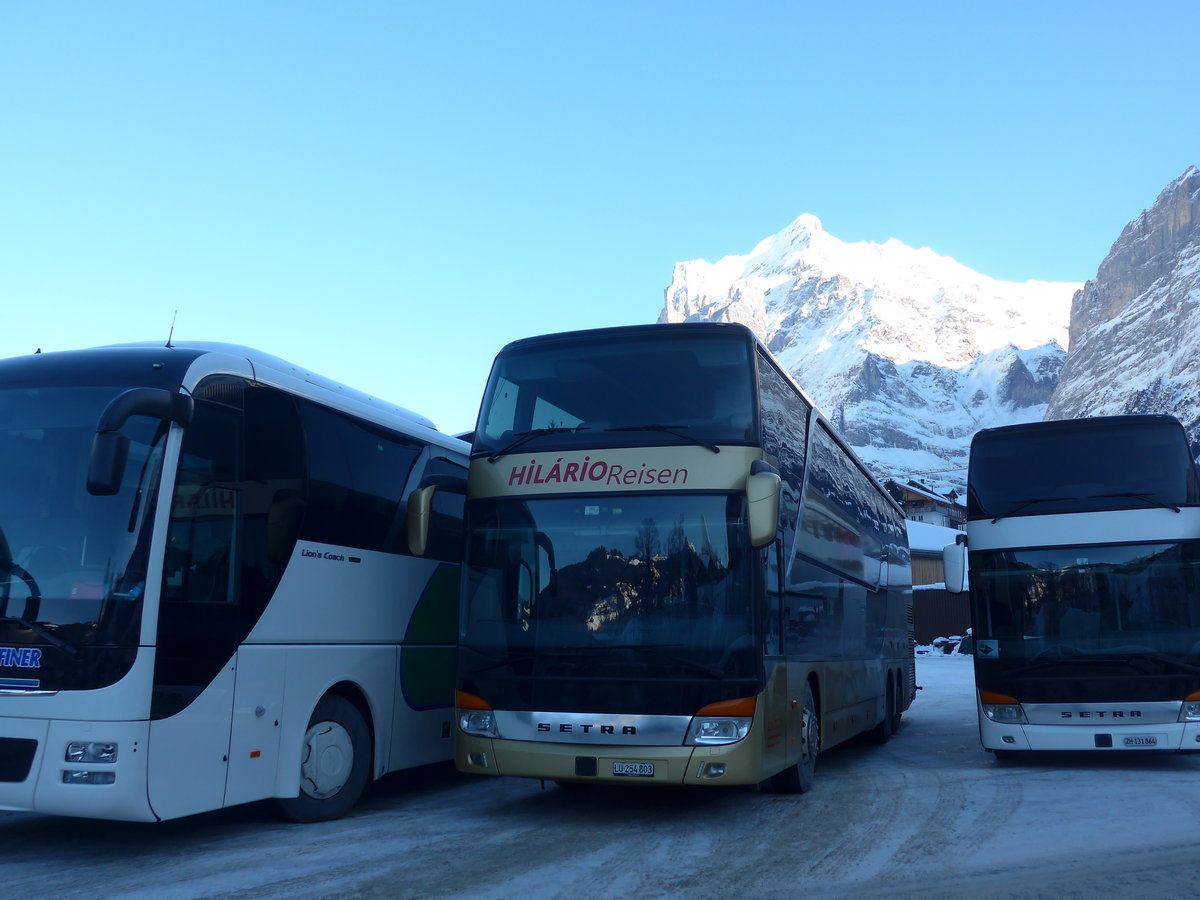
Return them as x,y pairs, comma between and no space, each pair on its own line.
908,352
876,292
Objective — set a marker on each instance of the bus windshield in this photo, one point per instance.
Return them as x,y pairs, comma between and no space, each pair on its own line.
567,598
613,391
1081,466
72,565
1064,602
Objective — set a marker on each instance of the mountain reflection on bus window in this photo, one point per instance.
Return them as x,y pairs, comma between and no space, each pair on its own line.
595,572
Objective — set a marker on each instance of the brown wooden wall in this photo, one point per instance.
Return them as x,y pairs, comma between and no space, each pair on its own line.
938,613
927,569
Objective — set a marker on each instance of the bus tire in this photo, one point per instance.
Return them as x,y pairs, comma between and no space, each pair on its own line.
883,731
335,762
798,778
898,704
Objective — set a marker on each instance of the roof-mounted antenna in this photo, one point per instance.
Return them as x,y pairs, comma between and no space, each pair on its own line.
171,333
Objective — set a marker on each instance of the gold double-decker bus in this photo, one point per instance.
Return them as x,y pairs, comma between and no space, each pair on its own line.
675,570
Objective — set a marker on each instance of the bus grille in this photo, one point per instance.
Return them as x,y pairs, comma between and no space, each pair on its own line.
16,758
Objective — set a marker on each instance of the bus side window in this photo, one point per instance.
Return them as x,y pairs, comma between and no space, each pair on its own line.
357,476
276,491
774,592
446,515
204,510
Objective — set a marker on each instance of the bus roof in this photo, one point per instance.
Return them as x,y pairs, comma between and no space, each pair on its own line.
590,334
168,366
1102,463
1107,423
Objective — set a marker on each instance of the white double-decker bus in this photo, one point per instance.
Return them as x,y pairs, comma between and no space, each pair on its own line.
675,571
207,591
1084,544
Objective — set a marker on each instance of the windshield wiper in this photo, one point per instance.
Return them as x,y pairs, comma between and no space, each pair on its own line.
676,430
1055,661
1104,658
1155,656
1019,505
601,649
1145,498
43,632
521,437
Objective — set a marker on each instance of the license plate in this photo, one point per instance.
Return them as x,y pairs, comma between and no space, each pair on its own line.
634,769
1141,740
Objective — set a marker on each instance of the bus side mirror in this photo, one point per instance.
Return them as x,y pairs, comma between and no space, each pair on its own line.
954,564
420,502
110,450
762,496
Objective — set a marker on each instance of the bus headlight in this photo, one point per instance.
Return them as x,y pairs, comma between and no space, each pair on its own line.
708,731
1005,713
1002,709
723,722
478,722
91,752
1191,709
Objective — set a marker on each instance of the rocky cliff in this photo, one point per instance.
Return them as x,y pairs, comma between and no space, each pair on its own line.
1135,328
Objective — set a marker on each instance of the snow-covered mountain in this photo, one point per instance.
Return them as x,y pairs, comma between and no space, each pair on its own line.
907,352
1135,328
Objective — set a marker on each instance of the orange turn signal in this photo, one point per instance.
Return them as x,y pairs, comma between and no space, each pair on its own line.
463,700
743,706
997,699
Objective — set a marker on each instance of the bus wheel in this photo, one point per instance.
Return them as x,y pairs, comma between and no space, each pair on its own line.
798,779
897,706
334,762
882,733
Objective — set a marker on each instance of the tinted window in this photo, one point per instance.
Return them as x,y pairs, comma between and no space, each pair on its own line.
446,515
275,493
828,617
784,415
357,472
83,555
783,428
199,622
617,384
72,562
585,599
1120,597
1123,462
840,525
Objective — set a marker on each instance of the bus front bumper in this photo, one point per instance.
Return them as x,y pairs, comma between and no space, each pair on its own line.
1173,736
725,765
37,775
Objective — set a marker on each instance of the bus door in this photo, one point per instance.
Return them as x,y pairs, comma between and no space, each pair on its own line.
199,620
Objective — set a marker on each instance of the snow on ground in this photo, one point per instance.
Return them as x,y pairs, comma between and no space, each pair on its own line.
928,814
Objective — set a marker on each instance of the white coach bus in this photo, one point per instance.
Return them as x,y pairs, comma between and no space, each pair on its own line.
1084,545
207,595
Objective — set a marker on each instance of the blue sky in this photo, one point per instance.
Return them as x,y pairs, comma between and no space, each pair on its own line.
386,193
